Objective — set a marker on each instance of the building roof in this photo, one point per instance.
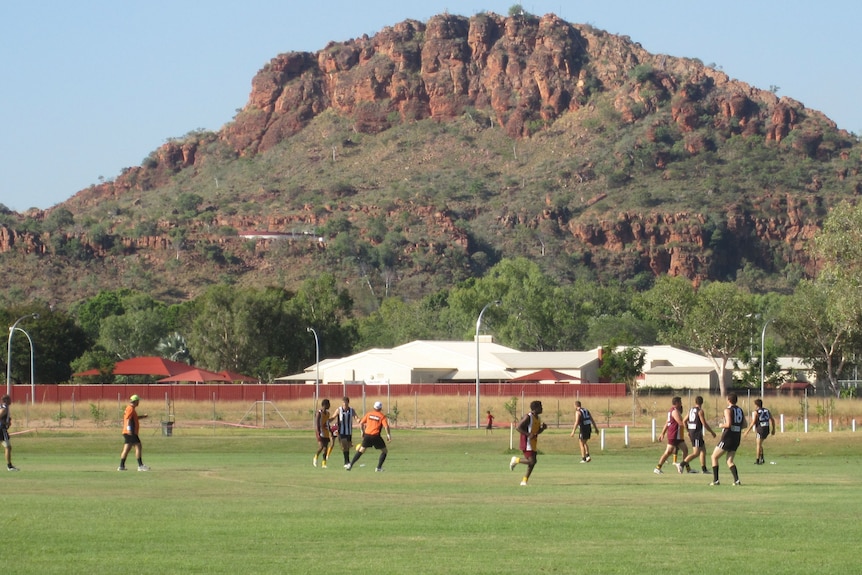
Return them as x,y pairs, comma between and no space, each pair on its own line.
681,369
534,360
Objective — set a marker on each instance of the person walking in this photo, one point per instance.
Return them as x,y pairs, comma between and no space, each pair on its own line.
346,415
673,427
731,435
584,424
696,423
489,423
131,429
373,424
764,424
322,432
5,424
530,427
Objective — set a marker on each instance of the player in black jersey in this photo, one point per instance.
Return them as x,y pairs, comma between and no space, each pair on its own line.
696,424
584,424
731,435
763,421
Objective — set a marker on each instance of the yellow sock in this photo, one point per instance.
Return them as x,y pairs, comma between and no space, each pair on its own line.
674,457
524,479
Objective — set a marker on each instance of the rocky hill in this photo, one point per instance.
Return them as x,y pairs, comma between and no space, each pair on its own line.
418,157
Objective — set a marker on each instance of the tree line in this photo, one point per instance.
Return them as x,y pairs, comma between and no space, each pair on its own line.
263,332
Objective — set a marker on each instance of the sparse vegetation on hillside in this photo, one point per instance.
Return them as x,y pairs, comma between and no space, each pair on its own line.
653,165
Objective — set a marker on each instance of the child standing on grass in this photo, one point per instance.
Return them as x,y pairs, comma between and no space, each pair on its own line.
489,426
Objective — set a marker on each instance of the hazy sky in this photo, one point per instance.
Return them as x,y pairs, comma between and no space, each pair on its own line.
92,86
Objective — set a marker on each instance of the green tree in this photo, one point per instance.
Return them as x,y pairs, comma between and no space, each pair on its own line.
815,331
321,305
58,219
836,295
623,364
667,305
135,333
174,347
244,329
717,325
57,340
625,328
92,311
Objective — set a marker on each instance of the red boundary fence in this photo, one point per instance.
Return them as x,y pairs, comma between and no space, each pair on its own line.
287,392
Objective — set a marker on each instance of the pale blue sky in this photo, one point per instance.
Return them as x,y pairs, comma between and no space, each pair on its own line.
92,86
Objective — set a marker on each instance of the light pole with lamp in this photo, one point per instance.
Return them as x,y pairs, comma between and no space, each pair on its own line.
32,369
763,354
9,350
316,363
478,325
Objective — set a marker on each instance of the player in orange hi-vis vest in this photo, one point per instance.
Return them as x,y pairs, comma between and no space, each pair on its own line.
373,424
131,428
530,427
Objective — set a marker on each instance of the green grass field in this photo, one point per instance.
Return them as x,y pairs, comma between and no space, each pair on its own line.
249,501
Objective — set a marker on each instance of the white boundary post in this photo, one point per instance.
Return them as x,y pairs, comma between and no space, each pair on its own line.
627,435
602,434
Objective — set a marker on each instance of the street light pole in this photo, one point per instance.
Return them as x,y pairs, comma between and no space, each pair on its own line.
478,325
9,350
763,354
316,363
32,369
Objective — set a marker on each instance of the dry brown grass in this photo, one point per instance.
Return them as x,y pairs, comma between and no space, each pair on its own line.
417,412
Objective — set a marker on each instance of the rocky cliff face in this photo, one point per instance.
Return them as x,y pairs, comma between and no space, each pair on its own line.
522,70
523,73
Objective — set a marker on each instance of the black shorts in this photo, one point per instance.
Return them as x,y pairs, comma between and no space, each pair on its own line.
131,438
4,437
696,438
374,441
762,431
729,442
347,438
585,433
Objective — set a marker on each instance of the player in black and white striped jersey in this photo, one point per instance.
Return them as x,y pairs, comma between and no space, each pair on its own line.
346,416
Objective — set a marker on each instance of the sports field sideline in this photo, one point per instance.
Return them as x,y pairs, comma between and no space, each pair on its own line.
229,500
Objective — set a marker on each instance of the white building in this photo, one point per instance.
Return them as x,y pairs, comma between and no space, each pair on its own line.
456,362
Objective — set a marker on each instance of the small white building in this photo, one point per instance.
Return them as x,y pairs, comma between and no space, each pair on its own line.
671,367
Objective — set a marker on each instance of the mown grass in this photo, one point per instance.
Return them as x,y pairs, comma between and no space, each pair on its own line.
237,500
